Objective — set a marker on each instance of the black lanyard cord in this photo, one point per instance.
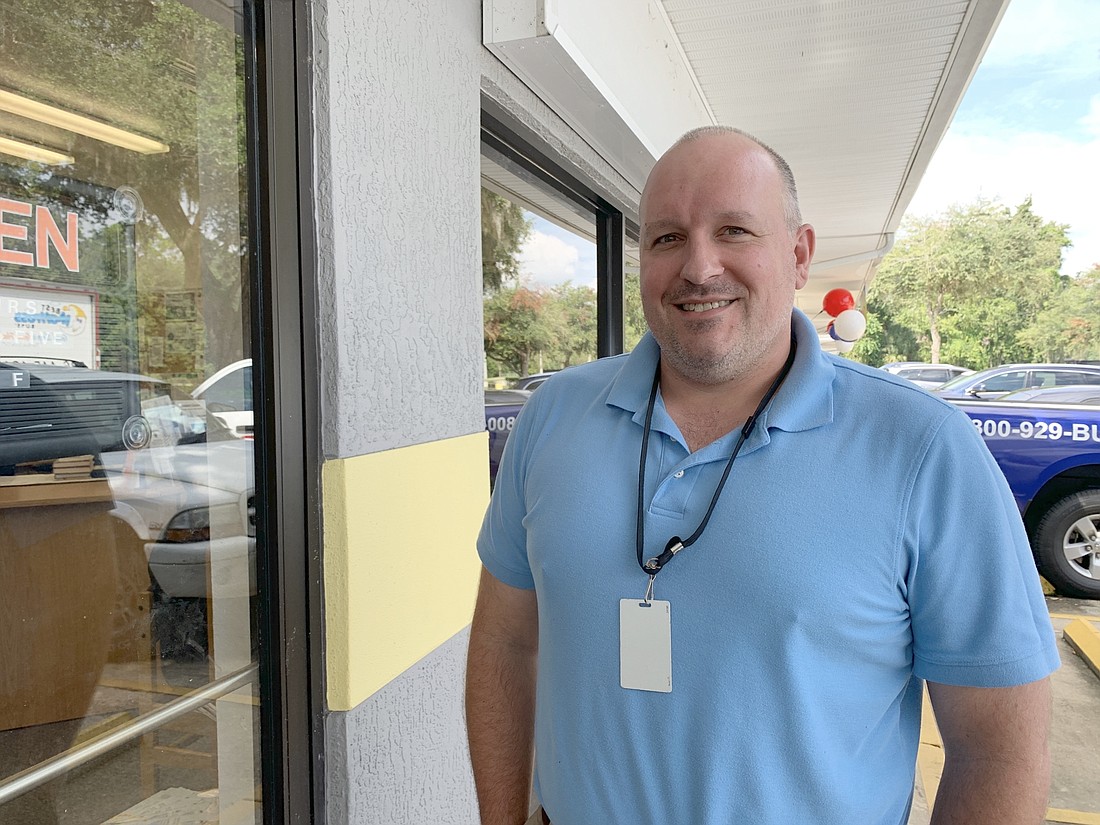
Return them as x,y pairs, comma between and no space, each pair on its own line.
653,566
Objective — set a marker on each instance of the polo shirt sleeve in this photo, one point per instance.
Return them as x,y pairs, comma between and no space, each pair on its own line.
976,606
502,542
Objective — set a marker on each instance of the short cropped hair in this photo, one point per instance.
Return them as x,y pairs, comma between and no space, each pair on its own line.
791,211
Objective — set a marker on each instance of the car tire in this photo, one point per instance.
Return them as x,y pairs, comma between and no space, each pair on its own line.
1067,545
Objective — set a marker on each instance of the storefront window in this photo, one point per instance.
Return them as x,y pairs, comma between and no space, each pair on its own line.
127,514
538,277
634,323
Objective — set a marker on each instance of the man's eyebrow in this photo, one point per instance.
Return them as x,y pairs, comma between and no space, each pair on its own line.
649,228
735,216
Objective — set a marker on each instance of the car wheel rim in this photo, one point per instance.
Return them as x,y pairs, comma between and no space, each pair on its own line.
1081,546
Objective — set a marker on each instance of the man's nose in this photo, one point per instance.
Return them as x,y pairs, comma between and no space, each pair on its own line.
702,262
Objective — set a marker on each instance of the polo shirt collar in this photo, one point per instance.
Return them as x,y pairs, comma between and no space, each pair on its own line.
631,387
805,400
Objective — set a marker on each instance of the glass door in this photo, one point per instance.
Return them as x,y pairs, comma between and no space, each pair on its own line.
128,596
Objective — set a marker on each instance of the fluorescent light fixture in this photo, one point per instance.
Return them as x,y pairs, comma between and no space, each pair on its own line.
28,151
52,116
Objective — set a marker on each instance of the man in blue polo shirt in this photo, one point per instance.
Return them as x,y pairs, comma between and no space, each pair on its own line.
720,569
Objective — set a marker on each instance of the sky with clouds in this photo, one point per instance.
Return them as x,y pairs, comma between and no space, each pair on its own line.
553,255
1030,125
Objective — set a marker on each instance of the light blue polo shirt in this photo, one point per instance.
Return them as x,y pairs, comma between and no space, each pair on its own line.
865,541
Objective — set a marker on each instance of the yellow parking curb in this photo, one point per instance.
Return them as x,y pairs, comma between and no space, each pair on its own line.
1085,639
929,753
1072,817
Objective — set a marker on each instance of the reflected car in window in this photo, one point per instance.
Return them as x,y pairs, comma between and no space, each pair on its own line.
189,498
228,395
995,382
501,409
179,480
51,411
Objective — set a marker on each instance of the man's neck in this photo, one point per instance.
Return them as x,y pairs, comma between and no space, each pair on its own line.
706,412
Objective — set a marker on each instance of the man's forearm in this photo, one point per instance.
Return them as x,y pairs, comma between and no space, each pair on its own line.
992,792
500,712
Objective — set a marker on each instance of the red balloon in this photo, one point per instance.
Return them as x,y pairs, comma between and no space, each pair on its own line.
838,300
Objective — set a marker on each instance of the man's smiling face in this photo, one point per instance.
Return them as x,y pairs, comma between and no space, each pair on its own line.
719,264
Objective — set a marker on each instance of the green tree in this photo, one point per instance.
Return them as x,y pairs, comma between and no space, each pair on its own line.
573,316
166,71
1068,329
962,286
634,323
517,327
886,339
503,231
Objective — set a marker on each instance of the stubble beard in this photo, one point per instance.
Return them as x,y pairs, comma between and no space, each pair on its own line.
740,359
735,363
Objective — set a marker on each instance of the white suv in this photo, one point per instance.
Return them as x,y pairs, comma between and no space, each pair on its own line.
228,395
928,376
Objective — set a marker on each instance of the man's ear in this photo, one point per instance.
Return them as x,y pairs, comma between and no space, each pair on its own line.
805,241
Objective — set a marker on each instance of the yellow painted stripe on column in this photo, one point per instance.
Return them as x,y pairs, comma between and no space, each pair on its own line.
400,564
1085,639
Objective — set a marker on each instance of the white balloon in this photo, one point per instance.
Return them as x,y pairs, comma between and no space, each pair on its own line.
850,325
844,346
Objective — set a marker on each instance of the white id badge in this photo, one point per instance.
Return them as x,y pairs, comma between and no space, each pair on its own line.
645,645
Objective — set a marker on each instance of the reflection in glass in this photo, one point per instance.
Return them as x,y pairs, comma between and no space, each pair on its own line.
634,323
538,278
127,503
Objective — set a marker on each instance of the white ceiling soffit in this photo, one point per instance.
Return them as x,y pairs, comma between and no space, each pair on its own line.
612,69
855,94
514,185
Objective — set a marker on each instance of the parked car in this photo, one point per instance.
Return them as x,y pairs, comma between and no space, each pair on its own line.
179,480
501,409
531,382
1050,456
928,376
51,411
228,395
190,500
1073,394
995,382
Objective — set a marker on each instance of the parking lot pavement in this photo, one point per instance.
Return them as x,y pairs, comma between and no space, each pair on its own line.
1075,735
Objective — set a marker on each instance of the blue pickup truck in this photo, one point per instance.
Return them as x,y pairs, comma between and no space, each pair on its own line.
1050,454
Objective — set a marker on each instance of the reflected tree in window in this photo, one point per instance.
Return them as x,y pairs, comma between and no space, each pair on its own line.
164,71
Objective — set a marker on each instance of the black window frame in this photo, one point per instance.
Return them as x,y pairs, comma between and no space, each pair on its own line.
287,411
508,142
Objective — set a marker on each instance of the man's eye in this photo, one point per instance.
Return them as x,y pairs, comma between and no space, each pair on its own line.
732,230
662,239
